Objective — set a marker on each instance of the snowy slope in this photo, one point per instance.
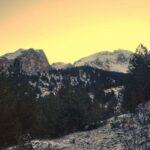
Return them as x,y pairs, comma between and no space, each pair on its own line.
112,61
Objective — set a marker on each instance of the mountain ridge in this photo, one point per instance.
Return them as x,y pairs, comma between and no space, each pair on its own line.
104,60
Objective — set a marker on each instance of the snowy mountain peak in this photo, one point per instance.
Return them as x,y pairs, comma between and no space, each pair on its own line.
117,60
14,55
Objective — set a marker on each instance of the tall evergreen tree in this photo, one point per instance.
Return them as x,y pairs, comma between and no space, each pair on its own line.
137,87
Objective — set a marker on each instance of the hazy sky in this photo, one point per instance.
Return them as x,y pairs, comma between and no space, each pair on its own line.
70,29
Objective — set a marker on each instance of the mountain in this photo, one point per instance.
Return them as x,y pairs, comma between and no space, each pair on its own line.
33,61
111,61
61,65
30,61
48,102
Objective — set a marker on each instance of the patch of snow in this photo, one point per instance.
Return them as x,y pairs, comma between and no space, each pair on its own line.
12,56
92,96
74,81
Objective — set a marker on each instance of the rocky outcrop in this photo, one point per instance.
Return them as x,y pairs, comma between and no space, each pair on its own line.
34,61
4,64
30,61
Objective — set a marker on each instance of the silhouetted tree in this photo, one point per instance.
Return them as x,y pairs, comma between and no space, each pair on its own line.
137,88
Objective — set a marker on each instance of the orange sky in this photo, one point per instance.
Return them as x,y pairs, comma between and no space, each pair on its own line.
70,29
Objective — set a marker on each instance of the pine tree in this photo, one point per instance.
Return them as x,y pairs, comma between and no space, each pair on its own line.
137,87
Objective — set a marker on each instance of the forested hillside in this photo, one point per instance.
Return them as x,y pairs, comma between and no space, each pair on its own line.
55,103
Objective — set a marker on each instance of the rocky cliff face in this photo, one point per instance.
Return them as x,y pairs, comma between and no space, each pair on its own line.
4,64
111,61
30,61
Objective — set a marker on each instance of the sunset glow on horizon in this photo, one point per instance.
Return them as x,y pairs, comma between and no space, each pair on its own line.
68,30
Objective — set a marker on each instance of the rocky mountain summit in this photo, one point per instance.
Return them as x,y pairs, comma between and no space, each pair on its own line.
30,61
111,61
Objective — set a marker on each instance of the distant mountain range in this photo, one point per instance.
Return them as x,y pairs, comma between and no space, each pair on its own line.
33,61
117,61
